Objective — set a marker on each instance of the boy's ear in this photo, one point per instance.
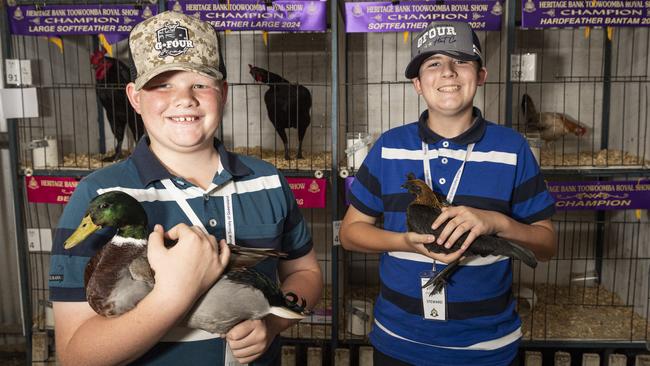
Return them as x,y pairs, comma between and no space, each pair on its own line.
224,91
482,76
417,85
134,96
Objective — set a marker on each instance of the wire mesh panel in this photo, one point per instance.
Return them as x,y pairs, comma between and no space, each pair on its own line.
85,120
584,294
581,100
584,102
279,91
40,222
318,326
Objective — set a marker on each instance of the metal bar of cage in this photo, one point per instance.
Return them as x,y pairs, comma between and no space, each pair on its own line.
600,215
334,178
19,213
511,10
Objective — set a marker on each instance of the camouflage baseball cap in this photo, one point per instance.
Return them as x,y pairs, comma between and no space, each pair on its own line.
454,39
174,41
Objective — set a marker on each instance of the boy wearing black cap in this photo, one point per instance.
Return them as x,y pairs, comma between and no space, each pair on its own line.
181,174
494,182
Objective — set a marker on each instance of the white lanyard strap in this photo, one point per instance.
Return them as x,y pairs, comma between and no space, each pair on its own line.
454,184
427,167
229,216
230,219
182,203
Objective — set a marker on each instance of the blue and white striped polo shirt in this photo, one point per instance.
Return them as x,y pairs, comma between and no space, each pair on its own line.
501,175
265,215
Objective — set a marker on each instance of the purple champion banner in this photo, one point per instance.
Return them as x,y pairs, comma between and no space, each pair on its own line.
580,13
282,15
611,195
413,16
114,21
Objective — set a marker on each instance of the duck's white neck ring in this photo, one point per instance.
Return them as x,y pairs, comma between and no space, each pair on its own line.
121,241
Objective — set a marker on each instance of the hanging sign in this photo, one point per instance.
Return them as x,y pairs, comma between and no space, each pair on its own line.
236,15
580,13
44,189
597,195
115,21
309,192
413,16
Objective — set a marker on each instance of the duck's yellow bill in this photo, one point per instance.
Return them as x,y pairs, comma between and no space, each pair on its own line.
86,228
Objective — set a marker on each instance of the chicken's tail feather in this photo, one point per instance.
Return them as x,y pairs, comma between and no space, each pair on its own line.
528,108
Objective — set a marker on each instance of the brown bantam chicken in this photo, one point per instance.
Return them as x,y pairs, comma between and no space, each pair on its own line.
424,210
551,125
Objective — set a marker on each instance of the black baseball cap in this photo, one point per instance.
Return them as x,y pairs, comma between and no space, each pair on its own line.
454,39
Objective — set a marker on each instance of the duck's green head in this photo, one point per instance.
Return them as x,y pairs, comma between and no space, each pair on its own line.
111,209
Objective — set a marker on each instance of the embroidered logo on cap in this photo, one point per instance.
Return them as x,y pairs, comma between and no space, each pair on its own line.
435,35
173,40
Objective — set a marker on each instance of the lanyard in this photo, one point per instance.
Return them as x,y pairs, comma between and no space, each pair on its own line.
454,184
229,216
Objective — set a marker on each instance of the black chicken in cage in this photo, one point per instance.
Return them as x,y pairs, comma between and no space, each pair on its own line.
111,77
288,105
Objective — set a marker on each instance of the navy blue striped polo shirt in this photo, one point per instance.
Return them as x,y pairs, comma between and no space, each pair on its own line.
265,215
501,175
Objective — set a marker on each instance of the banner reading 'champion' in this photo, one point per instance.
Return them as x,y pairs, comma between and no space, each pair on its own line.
413,16
60,20
236,15
580,13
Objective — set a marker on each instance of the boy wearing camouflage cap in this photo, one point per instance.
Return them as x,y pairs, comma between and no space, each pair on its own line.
489,174
186,180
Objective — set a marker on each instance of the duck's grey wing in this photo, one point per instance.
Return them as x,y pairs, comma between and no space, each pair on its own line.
141,270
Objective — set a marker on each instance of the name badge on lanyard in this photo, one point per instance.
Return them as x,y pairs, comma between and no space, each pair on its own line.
434,305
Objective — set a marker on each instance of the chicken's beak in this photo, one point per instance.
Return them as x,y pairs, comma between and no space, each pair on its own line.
86,227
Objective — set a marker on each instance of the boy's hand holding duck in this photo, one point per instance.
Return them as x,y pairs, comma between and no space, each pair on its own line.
196,259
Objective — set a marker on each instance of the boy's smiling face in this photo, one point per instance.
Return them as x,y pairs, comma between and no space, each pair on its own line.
448,85
181,110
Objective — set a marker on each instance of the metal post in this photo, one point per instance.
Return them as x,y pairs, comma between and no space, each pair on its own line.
335,166
21,247
510,24
604,144
21,240
100,113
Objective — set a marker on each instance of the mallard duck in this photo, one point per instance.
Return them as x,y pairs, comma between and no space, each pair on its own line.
118,276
